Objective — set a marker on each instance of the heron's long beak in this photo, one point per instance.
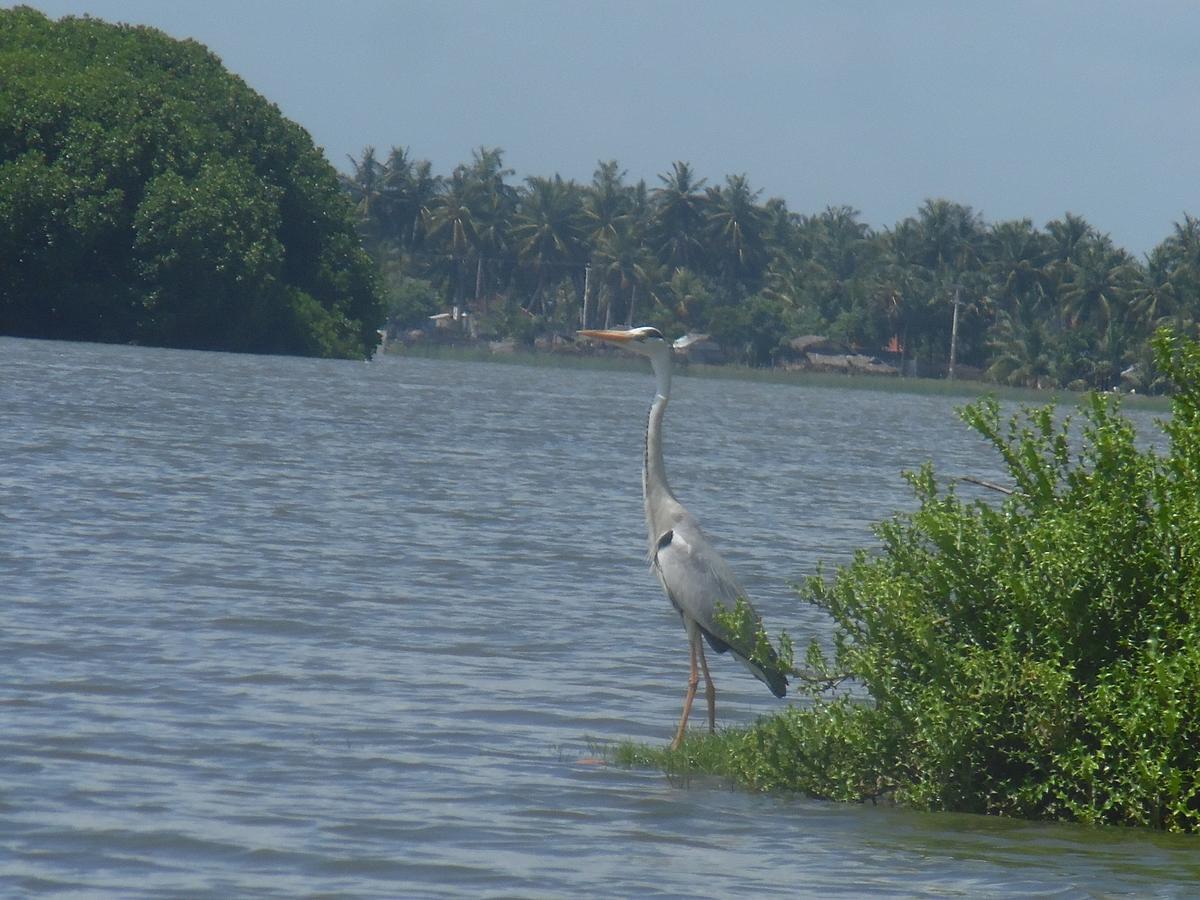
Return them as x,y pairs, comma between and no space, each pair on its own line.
617,337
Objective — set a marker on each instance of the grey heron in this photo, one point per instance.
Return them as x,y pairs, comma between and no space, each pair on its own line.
694,576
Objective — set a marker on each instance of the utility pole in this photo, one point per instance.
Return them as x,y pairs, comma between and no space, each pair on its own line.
954,333
479,284
587,283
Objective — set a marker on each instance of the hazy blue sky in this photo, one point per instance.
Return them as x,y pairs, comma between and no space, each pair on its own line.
1018,109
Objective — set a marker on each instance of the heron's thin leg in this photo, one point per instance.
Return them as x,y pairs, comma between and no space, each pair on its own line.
710,691
693,681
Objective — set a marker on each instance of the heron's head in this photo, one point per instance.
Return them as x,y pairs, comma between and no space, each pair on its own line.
645,340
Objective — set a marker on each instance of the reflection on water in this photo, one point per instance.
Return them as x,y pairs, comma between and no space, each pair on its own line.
276,626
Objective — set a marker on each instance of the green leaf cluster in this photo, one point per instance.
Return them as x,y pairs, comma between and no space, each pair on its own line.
1039,657
148,195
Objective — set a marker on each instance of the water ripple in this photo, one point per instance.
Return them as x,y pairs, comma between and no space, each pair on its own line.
280,627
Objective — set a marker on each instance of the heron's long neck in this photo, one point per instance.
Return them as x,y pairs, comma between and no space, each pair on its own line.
655,490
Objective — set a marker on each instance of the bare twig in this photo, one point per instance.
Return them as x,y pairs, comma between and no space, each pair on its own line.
813,681
987,484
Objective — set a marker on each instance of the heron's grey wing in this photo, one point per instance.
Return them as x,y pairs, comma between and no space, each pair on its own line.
694,575
696,580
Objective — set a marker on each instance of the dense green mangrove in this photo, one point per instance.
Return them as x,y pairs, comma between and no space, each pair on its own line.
147,195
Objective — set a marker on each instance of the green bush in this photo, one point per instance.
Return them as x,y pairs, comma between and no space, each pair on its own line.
408,302
753,330
1036,657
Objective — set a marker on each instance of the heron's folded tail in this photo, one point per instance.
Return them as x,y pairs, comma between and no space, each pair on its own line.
771,674
772,677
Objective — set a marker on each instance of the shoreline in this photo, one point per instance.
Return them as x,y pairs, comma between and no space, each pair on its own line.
614,361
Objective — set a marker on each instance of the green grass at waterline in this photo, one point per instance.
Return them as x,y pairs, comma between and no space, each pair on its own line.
700,754
796,751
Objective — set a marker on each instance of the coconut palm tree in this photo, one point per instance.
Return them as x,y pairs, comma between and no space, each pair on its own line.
690,299
946,240
452,228
679,215
1175,266
424,190
1103,279
606,204
841,240
397,193
627,268
1068,236
494,257
606,201
1024,352
779,227
735,225
493,203
1016,255
366,187
548,234
949,235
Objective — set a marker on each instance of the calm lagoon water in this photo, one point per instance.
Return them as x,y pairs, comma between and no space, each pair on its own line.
283,627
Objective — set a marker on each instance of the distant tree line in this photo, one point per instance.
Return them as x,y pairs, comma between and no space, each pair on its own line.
149,196
1053,306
